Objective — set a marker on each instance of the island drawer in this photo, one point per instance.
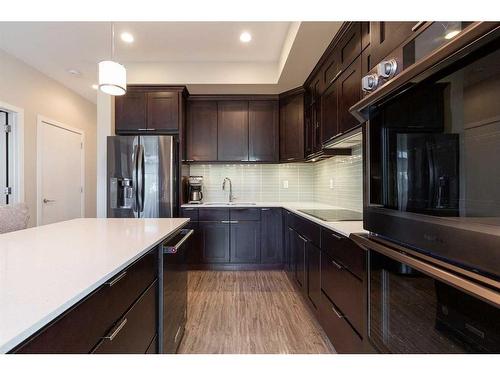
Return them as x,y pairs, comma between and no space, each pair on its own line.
344,251
306,228
80,328
344,289
133,333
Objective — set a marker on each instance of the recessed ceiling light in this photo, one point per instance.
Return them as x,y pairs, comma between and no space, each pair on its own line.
95,87
452,34
74,72
245,37
127,37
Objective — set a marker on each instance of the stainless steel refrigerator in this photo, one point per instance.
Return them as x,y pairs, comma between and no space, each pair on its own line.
142,176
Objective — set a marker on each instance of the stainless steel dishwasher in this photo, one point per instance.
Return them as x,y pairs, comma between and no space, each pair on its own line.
172,301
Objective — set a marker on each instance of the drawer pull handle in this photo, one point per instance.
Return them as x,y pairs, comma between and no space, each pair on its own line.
169,249
265,209
336,76
339,315
338,265
417,26
116,330
116,279
335,236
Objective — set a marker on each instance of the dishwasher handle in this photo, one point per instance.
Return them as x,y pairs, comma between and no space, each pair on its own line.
172,249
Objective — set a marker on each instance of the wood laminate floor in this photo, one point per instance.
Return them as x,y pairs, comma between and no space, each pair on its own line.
248,312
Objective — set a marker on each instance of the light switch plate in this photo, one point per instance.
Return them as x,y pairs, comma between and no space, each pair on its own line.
331,183
285,184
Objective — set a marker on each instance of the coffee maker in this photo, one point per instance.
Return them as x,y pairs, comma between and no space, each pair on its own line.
195,186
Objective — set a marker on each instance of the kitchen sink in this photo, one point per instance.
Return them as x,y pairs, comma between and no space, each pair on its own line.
230,204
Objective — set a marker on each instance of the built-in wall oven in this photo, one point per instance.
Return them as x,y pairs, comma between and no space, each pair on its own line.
433,152
421,306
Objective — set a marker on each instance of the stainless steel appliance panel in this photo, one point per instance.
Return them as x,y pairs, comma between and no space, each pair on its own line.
122,176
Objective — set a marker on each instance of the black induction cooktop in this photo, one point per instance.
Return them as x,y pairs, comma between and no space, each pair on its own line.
335,215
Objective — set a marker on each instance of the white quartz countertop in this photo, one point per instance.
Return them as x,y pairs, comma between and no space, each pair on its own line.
342,227
47,269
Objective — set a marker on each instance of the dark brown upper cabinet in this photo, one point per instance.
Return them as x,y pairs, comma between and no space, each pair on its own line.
292,126
163,111
349,46
329,108
349,93
201,131
130,111
387,36
263,130
149,109
232,131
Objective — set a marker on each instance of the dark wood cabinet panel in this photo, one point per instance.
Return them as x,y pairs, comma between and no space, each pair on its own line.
244,214
349,93
298,250
329,107
349,46
80,328
345,290
345,252
232,132
245,241
344,339
314,274
214,241
201,132
163,111
130,111
292,128
271,235
387,36
133,333
263,130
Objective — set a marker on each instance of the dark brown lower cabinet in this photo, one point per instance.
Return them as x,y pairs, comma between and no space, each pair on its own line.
271,229
214,241
314,274
245,241
80,329
343,338
133,333
298,249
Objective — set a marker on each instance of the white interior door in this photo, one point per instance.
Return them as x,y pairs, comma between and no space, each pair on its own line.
60,173
3,157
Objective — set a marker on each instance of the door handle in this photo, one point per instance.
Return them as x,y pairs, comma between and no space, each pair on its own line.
113,334
338,265
339,315
173,249
140,177
45,200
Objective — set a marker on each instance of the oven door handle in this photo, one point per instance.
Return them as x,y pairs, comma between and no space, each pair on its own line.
477,290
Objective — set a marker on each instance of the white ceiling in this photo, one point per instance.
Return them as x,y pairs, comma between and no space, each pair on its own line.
206,56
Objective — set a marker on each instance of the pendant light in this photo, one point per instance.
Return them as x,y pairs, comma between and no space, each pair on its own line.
112,75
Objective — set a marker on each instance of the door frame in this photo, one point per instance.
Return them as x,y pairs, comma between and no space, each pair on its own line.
18,144
39,123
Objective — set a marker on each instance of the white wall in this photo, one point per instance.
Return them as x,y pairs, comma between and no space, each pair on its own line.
25,87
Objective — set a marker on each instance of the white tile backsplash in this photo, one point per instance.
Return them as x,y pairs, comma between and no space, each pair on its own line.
307,182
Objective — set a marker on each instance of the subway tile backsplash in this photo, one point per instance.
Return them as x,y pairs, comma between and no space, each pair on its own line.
336,181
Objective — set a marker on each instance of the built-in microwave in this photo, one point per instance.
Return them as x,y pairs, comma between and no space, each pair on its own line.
433,155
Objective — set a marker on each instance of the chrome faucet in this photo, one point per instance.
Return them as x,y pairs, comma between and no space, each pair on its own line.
231,196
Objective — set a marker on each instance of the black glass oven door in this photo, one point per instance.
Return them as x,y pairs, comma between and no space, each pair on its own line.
411,312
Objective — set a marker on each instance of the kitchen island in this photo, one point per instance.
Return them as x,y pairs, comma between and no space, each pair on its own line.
77,266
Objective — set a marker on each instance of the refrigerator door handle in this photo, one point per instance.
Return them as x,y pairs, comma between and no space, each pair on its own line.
140,178
135,156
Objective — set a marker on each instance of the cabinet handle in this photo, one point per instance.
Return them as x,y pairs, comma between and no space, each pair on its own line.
189,209
339,315
336,76
116,279
338,265
234,221
265,209
335,236
302,237
225,222
116,330
151,130
142,129
290,159
189,160
418,25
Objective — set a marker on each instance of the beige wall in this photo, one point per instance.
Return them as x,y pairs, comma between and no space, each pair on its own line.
25,87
